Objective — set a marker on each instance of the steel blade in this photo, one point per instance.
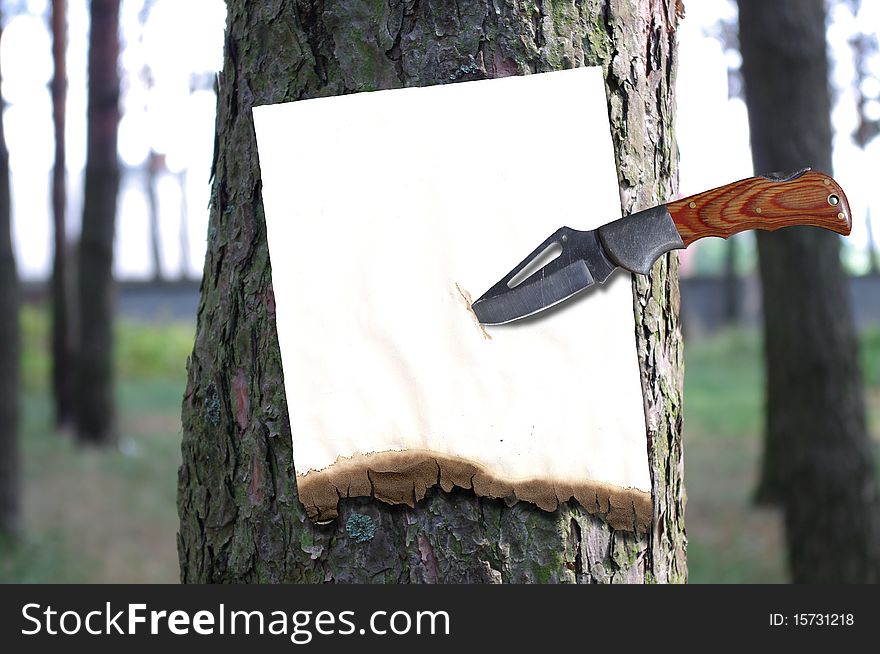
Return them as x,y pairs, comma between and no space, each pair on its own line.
581,263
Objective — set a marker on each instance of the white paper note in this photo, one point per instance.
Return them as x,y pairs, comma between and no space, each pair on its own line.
382,209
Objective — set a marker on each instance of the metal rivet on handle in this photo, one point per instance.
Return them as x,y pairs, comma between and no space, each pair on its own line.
833,200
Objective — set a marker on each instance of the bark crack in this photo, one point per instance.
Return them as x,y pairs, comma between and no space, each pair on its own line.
579,570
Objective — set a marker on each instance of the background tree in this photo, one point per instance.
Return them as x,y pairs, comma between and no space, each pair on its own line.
95,408
183,230
153,165
725,31
239,515
732,308
61,331
864,46
9,364
873,257
152,168
818,463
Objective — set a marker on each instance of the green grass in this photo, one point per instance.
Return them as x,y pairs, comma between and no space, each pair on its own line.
870,362
730,539
870,358
110,515
92,514
143,350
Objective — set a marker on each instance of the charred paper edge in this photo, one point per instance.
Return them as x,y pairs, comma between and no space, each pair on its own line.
404,477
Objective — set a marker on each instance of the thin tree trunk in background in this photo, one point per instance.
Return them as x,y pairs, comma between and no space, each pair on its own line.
153,166
95,411
817,463
873,257
10,483
184,226
240,519
62,383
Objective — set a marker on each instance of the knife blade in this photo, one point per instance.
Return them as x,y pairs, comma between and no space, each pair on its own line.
585,258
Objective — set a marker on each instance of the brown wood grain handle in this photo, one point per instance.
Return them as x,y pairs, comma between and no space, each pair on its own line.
770,202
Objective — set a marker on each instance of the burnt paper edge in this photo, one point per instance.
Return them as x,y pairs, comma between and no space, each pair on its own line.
404,477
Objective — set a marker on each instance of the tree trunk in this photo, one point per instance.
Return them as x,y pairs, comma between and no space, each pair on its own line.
183,232
94,388
240,518
865,48
817,463
61,336
152,167
9,362
873,257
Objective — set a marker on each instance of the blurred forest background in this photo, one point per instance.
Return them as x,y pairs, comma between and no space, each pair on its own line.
116,240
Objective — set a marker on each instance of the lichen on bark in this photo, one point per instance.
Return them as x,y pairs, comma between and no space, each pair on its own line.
240,517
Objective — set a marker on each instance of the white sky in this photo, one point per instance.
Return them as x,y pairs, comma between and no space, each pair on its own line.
178,39
181,39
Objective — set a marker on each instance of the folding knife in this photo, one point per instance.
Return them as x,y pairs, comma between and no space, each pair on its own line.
584,258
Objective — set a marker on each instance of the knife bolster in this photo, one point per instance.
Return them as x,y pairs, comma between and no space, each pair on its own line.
637,241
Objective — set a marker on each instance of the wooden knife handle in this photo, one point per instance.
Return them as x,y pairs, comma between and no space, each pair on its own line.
777,200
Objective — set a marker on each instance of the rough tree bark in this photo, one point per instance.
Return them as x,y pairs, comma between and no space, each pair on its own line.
9,363
61,335
818,463
95,408
239,515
